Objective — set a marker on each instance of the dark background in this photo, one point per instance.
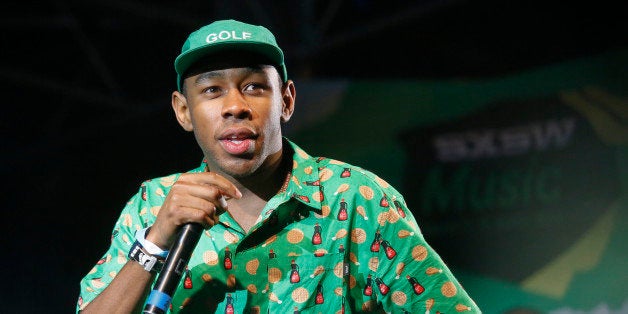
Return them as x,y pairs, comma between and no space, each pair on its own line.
87,85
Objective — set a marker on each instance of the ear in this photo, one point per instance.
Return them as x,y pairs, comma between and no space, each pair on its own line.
288,95
182,111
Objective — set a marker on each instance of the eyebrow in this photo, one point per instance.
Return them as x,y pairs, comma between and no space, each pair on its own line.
205,76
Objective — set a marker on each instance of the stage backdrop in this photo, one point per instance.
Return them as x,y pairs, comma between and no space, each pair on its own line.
520,182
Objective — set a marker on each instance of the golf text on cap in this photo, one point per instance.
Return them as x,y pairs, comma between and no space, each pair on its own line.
224,35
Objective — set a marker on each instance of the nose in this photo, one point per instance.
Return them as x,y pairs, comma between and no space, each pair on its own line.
236,106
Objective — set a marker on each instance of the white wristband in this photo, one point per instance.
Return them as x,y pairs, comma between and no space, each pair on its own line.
150,247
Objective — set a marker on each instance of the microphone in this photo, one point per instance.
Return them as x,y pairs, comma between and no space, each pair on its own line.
159,299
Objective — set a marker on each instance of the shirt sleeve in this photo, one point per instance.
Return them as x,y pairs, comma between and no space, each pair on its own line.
403,273
122,238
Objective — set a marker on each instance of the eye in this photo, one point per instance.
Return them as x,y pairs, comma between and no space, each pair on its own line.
254,88
211,90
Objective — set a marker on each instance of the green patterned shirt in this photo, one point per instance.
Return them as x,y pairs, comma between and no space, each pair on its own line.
338,239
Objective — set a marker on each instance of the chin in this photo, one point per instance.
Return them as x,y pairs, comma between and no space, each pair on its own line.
239,168
239,174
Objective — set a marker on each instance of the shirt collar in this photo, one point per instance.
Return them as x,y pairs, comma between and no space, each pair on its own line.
304,185
304,182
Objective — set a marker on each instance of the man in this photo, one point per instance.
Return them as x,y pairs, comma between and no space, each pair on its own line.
284,231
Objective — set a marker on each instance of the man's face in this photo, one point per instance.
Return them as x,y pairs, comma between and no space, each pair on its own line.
236,116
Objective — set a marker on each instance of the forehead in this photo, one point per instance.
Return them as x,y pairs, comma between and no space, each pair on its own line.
265,70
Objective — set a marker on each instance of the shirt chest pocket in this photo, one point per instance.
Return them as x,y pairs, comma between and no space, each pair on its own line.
306,283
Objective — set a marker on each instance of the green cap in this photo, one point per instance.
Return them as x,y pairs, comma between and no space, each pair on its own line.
228,34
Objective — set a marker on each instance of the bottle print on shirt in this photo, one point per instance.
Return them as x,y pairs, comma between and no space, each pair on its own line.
227,262
342,213
294,272
313,183
416,286
368,288
187,281
383,288
345,173
400,210
302,197
319,294
384,201
388,249
144,195
376,241
317,238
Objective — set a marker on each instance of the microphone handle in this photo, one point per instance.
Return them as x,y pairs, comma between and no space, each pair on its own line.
159,299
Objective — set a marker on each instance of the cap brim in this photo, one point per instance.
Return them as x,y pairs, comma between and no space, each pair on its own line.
183,62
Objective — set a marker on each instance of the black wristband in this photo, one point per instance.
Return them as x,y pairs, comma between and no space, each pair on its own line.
149,262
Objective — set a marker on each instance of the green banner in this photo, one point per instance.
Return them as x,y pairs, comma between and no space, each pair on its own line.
519,182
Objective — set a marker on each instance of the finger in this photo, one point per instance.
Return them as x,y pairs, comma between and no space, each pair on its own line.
210,206
181,189
207,204
213,179
194,215
187,209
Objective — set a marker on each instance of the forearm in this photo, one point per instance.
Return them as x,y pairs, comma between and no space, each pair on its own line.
126,292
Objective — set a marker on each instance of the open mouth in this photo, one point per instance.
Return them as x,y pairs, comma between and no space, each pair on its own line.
238,141
237,146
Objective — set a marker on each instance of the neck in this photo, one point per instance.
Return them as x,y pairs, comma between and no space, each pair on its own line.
268,180
265,184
